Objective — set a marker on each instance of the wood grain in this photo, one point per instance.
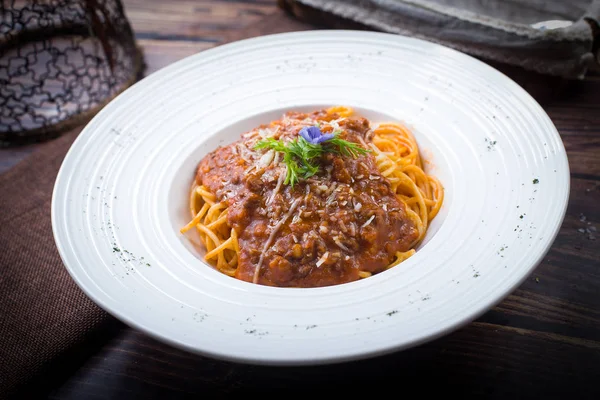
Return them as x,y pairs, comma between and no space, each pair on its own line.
160,53
542,341
193,19
481,359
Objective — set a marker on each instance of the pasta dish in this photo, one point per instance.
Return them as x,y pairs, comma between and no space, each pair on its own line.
313,199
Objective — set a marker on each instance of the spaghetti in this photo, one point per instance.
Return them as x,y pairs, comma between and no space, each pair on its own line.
278,213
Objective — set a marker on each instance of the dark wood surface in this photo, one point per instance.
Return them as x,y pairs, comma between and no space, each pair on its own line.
543,341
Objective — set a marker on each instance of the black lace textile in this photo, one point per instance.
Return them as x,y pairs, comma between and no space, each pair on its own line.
60,61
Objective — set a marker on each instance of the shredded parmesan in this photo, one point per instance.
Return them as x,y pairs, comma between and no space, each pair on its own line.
368,221
322,259
250,168
267,158
352,229
343,226
245,154
357,207
384,206
272,236
340,244
330,199
276,130
335,124
277,187
296,219
263,133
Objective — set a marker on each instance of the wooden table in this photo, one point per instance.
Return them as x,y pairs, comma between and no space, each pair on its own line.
542,341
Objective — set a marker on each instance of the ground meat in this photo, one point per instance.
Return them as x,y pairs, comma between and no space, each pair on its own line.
346,220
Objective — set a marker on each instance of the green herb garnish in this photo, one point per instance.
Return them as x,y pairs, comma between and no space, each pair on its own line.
301,155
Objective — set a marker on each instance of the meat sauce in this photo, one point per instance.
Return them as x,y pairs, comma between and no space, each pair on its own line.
343,220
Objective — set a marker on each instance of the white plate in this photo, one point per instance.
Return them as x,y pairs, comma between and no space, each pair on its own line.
121,196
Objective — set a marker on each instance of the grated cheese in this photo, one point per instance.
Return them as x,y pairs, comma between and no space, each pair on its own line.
330,198
364,144
343,226
250,168
368,221
245,154
296,219
340,244
357,207
352,229
335,124
272,236
267,158
277,187
322,259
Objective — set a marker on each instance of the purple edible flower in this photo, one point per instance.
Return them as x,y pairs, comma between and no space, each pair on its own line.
313,135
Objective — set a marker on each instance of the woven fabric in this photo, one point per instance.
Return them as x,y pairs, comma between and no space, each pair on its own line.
43,313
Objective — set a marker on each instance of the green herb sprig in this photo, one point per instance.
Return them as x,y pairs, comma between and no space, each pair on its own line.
301,156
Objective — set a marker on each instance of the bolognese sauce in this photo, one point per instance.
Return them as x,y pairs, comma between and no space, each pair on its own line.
336,226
